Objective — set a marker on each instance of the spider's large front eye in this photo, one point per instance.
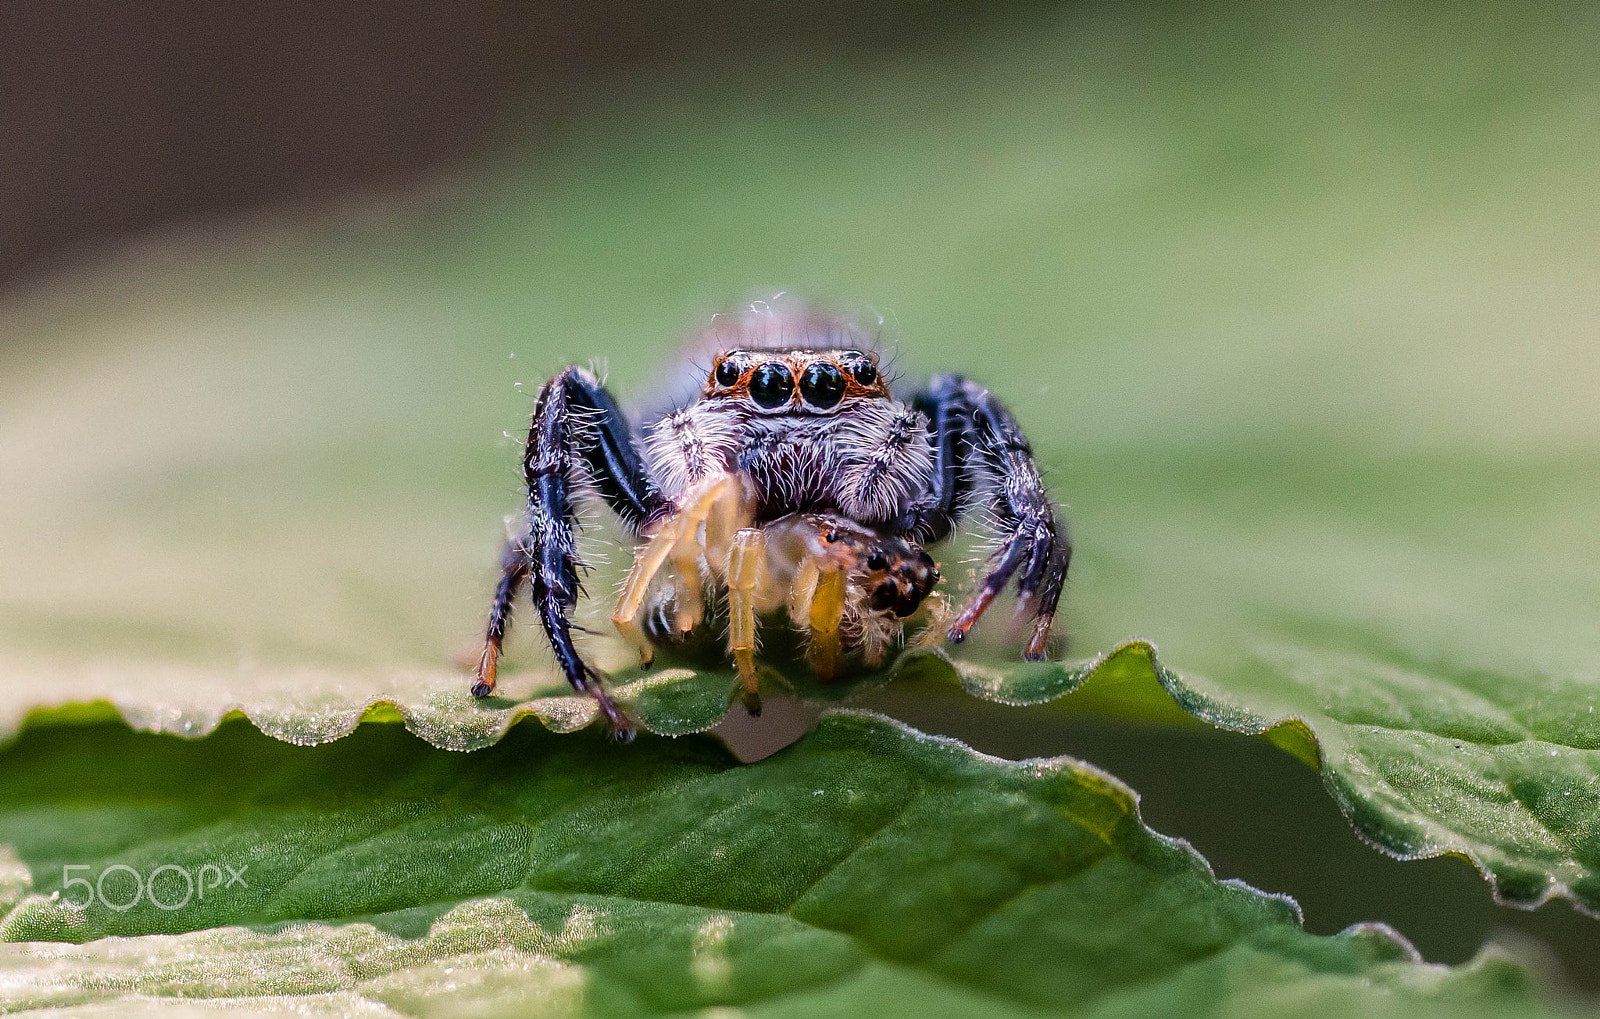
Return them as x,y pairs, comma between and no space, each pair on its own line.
822,385
771,385
727,374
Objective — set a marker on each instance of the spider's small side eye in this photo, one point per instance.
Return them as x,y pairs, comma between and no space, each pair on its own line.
771,385
727,374
865,372
822,385
832,535
877,561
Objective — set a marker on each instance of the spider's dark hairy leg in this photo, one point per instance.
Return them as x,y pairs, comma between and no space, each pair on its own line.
975,436
950,419
582,421
578,434
513,572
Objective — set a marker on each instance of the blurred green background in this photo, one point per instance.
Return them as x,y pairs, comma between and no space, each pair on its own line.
1298,307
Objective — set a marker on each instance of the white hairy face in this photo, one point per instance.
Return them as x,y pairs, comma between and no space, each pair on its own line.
811,427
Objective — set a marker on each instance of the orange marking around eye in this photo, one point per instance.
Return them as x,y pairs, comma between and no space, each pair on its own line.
738,391
797,362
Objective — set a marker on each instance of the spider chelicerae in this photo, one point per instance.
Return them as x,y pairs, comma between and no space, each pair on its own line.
791,481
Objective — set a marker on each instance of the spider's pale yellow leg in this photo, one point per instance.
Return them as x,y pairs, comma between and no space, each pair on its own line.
801,592
727,516
727,513
682,527
647,562
626,620
691,605
747,561
827,609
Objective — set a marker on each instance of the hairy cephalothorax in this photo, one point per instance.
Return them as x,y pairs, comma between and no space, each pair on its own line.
793,481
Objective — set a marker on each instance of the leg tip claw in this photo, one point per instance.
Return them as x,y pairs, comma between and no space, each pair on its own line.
488,669
1038,648
622,730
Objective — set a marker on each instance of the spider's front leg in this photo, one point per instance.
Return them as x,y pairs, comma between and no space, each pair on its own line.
845,569
578,436
747,576
816,604
719,503
981,455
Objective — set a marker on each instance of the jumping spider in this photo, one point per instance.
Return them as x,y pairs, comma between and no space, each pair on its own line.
792,480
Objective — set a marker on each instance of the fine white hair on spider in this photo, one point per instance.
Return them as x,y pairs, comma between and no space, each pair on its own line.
783,476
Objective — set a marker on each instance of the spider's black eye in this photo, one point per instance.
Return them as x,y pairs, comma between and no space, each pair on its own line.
877,561
822,385
727,374
865,372
771,385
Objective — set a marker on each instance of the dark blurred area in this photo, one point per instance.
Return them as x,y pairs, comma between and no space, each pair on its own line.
119,116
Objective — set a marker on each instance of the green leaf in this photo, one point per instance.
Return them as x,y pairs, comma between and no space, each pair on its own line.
1313,367
867,870
1422,766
